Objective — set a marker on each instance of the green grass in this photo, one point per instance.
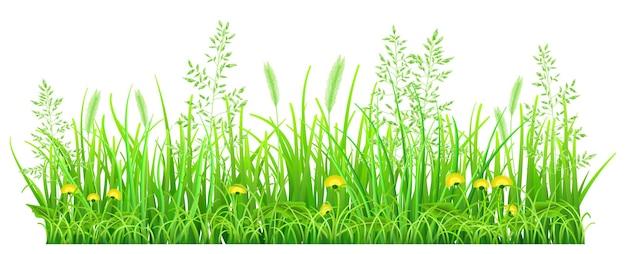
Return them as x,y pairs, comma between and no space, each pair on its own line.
212,180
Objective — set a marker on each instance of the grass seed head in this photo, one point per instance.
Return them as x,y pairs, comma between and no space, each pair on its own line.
334,79
271,83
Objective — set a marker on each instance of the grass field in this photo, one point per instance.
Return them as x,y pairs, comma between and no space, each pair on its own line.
409,174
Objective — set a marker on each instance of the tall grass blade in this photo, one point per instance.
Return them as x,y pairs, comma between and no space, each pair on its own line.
41,199
585,188
502,128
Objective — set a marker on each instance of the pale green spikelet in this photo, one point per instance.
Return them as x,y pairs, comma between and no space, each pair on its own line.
272,83
334,80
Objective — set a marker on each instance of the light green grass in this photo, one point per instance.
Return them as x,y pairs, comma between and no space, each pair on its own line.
189,189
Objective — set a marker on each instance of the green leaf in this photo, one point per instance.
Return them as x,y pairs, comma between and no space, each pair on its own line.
548,209
585,189
439,209
435,34
42,212
374,223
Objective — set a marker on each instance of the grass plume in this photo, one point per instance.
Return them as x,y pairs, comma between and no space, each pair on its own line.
334,80
272,83
92,109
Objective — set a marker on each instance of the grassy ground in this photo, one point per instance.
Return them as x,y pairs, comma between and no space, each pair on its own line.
409,174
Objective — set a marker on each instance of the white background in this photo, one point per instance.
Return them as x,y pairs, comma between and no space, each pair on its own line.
110,46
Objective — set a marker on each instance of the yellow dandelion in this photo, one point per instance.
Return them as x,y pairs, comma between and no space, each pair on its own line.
454,179
501,181
93,197
237,189
325,209
114,193
511,210
334,181
481,184
69,189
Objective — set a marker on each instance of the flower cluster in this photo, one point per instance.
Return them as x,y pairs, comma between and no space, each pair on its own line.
71,189
498,182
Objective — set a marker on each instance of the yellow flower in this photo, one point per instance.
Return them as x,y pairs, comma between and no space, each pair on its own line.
501,181
93,197
511,209
454,179
237,189
69,189
334,181
481,184
325,209
114,193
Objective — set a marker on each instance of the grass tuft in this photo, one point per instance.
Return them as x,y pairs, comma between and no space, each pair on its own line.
409,175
